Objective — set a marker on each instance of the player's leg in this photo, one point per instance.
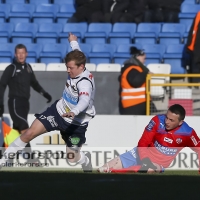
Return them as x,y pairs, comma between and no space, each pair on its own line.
74,136
45,121
112,164
18,109
125,160
36,129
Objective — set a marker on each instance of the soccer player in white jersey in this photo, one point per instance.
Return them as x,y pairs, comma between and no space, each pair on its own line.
70,114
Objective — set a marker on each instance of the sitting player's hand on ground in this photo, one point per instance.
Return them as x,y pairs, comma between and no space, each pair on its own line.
69,114
157,170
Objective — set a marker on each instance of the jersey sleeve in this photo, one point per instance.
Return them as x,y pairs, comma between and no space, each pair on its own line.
5,78
85,90
74,45
147,137
194,144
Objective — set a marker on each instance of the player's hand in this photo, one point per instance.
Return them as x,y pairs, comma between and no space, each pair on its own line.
147,165
72,37
158,169
69,115
47,96
1,110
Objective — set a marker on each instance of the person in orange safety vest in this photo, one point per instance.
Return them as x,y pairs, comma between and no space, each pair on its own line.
133,84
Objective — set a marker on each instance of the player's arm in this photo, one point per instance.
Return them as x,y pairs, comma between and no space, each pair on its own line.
147,137
85,88
4,81
144,143
37,87
194,144
73,42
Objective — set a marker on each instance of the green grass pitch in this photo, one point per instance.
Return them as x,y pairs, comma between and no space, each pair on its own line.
64,184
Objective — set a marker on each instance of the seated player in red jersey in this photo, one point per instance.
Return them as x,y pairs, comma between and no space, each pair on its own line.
163,138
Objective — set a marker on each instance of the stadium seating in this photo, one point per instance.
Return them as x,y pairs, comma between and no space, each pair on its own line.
188,12
21,12
63,2
24,32
56,67
102,53
38,66
122,33
6,52
172,33
45,13
65,12
123,52
40,1
108,67
147,33
78,29
154,52
4,12
189,2
15,1
185,36
174,57
91,67
5,32
53,53
158,92
3,66
48,33
160,68
33,52
97,33
86,48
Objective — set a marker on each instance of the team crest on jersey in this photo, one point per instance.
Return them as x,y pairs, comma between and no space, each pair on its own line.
178,140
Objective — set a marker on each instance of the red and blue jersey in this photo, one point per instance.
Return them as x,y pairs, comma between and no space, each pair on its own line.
162,146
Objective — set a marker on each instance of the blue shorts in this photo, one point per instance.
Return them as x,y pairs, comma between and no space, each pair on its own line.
130,158
71,134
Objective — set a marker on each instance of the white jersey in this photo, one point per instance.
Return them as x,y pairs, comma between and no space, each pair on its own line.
78,97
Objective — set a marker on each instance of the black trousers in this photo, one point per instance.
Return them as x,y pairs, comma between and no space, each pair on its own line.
18,109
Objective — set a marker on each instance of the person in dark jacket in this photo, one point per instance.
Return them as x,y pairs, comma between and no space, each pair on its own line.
84,10
111,12
135,12
162,11
19,77
133,84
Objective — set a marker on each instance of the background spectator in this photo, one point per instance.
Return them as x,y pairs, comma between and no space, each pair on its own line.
112,11
85,9
133,84
162,11
135,12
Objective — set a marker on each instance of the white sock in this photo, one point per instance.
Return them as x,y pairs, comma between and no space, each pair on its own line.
83,159
15,146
